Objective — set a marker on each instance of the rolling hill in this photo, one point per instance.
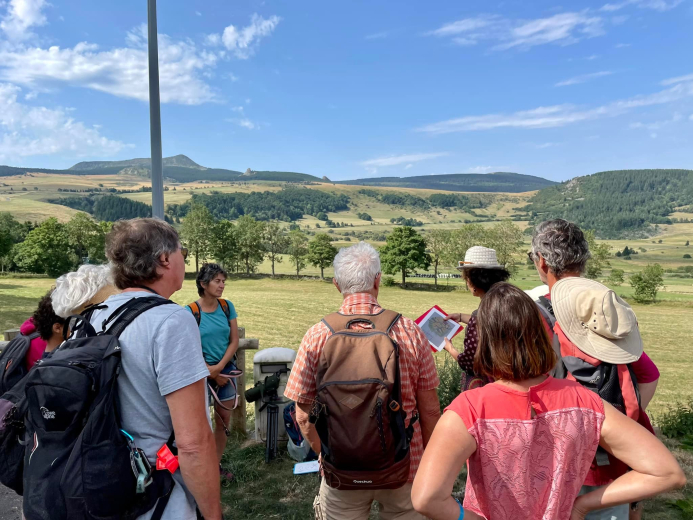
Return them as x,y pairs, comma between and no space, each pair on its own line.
489,182
179,168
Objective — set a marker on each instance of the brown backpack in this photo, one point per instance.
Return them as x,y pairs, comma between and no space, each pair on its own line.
358,410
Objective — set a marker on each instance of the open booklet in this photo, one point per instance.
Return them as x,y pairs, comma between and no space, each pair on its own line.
436,329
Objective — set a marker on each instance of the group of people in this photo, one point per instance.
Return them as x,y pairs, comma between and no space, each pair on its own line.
542,435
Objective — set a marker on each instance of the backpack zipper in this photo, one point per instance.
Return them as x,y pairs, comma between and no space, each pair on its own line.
381,429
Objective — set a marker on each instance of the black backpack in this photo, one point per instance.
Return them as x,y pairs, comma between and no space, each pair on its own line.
77,463
12,361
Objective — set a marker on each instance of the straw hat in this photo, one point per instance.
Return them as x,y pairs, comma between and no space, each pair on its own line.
596,320
479,257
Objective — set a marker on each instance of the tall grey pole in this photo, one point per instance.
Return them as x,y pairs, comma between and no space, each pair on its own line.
155,115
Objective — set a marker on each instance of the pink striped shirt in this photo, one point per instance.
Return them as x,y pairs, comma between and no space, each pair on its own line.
534,448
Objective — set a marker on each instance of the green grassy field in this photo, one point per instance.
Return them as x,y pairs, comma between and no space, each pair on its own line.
278,312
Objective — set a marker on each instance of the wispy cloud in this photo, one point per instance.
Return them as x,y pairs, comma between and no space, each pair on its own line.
395,160
679,79
243,41
27,130
657,125
657,5
562,115
377,36
622,45
485,169
410,165
583,78
542,146
561,29
244,122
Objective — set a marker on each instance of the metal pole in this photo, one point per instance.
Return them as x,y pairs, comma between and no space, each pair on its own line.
155,115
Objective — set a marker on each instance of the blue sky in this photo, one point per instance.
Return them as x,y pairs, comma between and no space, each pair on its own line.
354,89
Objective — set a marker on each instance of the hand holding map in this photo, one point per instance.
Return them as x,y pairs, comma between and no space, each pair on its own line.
436,329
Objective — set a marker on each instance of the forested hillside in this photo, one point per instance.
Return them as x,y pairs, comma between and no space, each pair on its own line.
617,203
489,182
288,204
108,208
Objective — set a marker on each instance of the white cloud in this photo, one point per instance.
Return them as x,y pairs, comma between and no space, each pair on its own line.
622,45
410,165
237,109
562,29
377,36
243,41
679,79
657,5
198,13
21,16
561,115
657,125
122,72
541,146
395,160
29,130
583,78
690,118
485,169
244,122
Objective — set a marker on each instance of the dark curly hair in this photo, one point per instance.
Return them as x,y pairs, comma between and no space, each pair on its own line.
484,279
44,317
207,273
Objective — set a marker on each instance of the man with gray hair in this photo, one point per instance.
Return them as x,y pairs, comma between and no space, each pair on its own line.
357,278
162,384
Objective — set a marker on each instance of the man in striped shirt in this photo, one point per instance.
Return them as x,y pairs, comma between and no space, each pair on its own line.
357,277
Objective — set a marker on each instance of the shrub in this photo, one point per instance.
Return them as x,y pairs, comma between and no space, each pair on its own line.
616,277
686,256
388,281
677,420
647,283
450,375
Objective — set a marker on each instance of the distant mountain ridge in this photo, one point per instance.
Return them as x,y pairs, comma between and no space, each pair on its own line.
181,168
487,182
177,160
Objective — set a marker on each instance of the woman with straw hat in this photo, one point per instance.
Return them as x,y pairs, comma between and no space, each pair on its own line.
481,271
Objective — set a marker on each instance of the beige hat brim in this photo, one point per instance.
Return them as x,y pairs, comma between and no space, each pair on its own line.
617,351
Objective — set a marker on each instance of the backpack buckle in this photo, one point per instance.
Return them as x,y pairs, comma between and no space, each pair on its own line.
394,406
165,459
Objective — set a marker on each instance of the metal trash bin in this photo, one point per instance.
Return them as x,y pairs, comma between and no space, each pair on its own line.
266,363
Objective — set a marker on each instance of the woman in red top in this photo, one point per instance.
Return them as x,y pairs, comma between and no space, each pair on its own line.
530,439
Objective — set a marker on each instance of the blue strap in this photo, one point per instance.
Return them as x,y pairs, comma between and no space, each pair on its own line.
461,509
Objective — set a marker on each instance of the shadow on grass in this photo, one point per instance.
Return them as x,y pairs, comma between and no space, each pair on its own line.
266,490
8,287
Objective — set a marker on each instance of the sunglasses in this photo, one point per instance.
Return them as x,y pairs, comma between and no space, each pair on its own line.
184,252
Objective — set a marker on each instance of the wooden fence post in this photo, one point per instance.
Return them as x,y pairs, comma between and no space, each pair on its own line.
238,419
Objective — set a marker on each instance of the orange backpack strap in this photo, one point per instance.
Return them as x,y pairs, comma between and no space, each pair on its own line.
225,307
195,308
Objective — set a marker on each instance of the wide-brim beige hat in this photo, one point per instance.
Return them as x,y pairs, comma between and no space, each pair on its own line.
478,257
597,320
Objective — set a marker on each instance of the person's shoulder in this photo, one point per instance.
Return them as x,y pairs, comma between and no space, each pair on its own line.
569,393
317,334
408,324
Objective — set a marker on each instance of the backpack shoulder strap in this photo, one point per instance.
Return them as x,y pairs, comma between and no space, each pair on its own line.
126,314
195,308
336,321
225,307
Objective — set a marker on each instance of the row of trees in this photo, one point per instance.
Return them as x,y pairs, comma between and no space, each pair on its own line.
243,246
51,247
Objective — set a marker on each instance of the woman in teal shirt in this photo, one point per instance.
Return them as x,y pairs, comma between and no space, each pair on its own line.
219,333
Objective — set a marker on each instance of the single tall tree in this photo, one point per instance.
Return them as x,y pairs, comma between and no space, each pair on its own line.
647,283
321,252
197,233
404,251
599,255
298,249
506,238
276,242
438,244
224,244
249,233
87,238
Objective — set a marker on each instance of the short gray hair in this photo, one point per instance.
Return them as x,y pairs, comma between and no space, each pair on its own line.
134,248
73,290
356,267
563,245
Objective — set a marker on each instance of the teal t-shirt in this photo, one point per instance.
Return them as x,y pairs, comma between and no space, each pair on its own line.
215,332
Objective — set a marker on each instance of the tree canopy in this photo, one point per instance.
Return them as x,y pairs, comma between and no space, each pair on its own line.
404,251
